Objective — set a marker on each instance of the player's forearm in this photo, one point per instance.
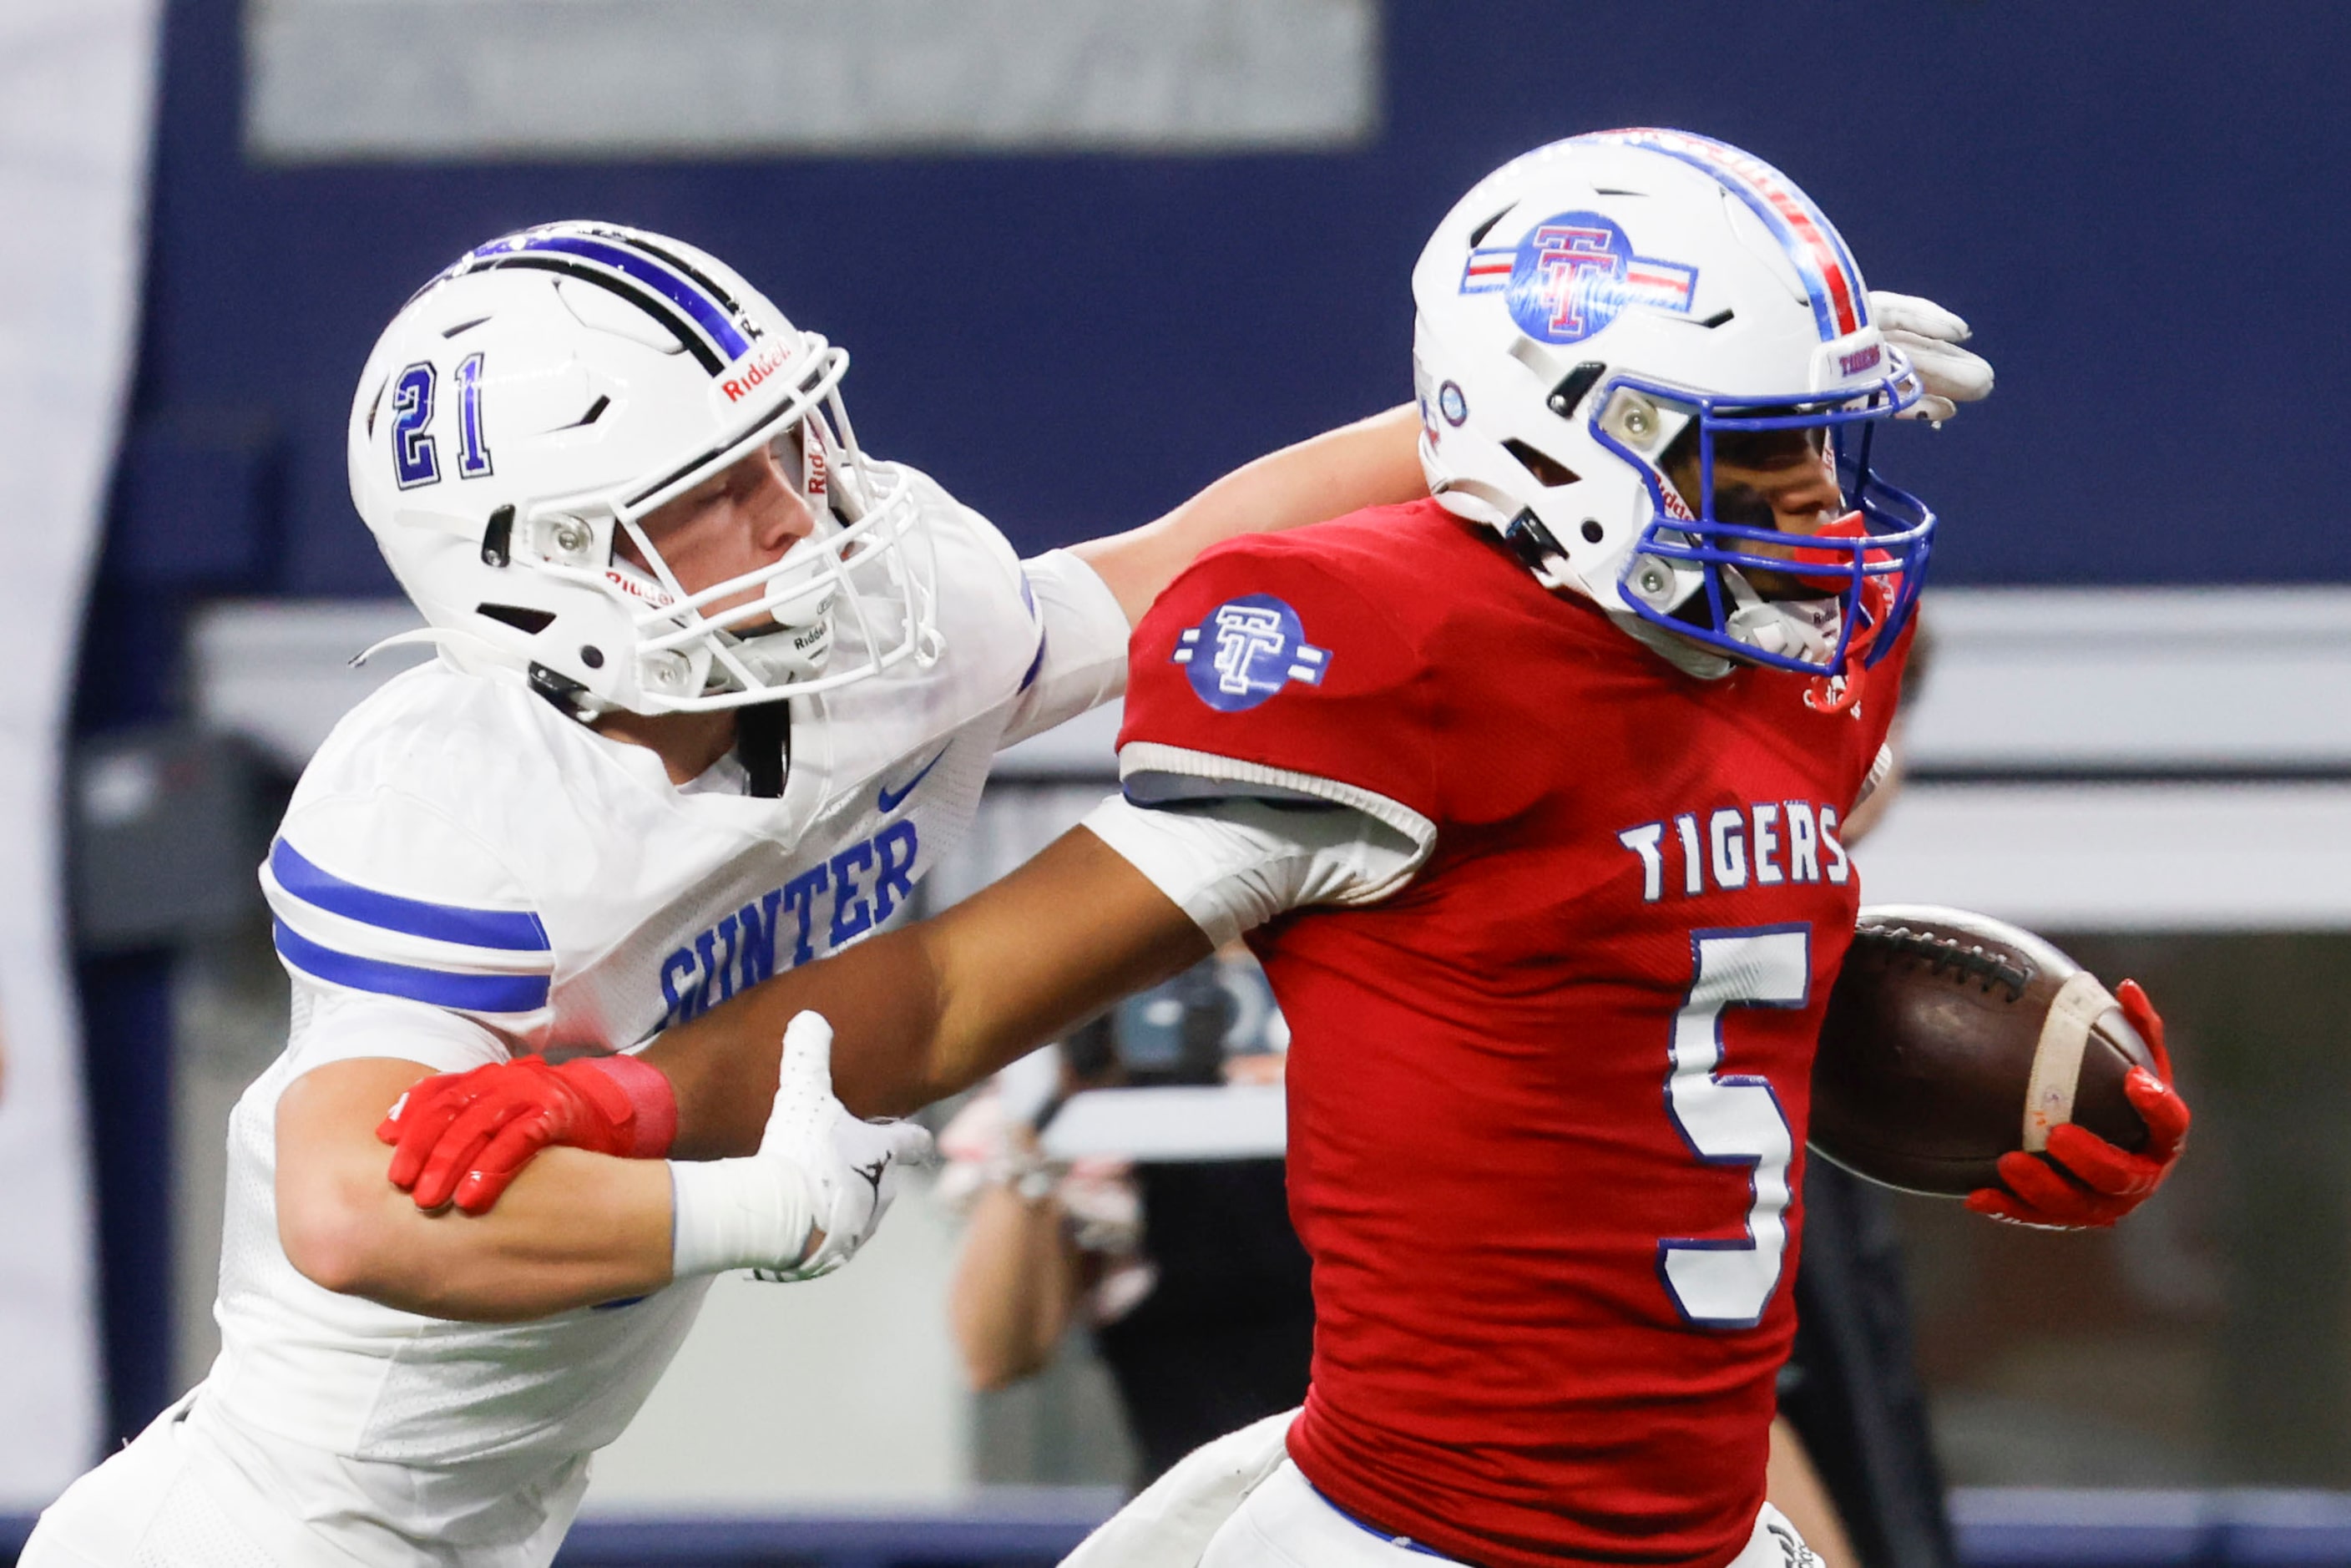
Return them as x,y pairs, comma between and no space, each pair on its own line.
931,1010
1028,958
883,999
1373,462
575,1229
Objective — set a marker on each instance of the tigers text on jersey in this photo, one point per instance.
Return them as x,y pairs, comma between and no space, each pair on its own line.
465,873
1547,1103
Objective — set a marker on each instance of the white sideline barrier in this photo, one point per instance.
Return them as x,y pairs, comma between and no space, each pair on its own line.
2036,692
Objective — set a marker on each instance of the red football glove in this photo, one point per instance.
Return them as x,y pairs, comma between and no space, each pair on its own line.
2087,1181
463,1136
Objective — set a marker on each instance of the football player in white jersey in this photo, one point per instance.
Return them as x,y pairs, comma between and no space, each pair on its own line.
714,688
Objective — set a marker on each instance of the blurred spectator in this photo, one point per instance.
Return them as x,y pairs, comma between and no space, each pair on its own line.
1188,1274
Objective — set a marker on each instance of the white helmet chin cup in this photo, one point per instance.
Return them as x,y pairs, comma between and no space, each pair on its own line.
1591,303
528,409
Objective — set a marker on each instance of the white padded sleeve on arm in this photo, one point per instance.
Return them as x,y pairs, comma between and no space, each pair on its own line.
1234,864
1881,769
335,1025
1081,654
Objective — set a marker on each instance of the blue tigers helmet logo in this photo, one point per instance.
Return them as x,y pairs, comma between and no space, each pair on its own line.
1246,650
1572,274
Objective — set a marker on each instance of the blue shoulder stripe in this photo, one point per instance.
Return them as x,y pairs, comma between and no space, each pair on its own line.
467,993
1028,598
513,931
1035,663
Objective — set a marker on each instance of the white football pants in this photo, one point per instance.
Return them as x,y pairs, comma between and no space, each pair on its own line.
191,1494
1240,1502
1286,1523
167,1501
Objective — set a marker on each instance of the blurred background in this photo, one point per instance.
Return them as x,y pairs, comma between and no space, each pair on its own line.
1087,255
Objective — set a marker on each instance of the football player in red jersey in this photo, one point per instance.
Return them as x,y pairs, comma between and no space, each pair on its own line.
1528,797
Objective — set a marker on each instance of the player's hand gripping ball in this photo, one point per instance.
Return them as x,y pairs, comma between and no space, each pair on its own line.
463,1136
1965,1057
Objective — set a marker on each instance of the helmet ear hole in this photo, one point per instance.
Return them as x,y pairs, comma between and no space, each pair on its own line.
1477,235
1549,471
520,617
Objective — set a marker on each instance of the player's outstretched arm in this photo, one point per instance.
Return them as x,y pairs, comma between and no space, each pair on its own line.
1373,462
347,1231
930,1010
920,1013
581,1228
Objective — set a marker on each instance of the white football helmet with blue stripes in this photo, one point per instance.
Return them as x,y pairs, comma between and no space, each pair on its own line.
532,404
1588,303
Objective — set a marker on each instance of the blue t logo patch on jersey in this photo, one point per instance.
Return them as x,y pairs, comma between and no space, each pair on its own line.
1246,650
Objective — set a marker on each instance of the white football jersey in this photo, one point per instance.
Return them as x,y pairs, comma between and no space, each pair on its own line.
467,873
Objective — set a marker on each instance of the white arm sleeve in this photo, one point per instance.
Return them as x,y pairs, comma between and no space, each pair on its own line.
334,1025
1081,644
1234,864
1881,769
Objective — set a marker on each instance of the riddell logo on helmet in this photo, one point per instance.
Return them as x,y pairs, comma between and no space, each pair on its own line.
1860,360
738,387
637,589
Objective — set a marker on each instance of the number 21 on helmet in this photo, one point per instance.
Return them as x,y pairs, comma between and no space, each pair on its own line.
525,411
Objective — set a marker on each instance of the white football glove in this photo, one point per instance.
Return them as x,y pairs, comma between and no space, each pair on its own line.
819,1170
1931,336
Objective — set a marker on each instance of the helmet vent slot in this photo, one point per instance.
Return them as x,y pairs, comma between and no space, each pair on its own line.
1570,392
498,537
1549,471
1719,317
1477,235
595,412
464,326
519,617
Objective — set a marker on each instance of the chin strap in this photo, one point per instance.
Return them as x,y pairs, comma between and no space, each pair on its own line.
1837,693
423,637
763,744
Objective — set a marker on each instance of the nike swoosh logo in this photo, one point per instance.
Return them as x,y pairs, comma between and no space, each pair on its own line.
890,799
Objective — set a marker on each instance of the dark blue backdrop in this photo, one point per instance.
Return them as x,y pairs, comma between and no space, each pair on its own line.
2139,206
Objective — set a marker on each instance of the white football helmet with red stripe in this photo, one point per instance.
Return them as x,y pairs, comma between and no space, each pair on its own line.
1584,305
525,411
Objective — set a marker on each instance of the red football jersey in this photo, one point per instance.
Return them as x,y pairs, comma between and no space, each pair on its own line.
1547,1103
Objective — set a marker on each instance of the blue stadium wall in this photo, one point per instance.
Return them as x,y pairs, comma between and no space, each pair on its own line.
2140,209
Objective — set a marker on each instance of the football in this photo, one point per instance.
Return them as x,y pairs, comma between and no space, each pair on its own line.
1952,1039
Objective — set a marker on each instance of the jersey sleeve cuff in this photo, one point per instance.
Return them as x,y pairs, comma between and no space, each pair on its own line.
1150,773
340,1025
1082,634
